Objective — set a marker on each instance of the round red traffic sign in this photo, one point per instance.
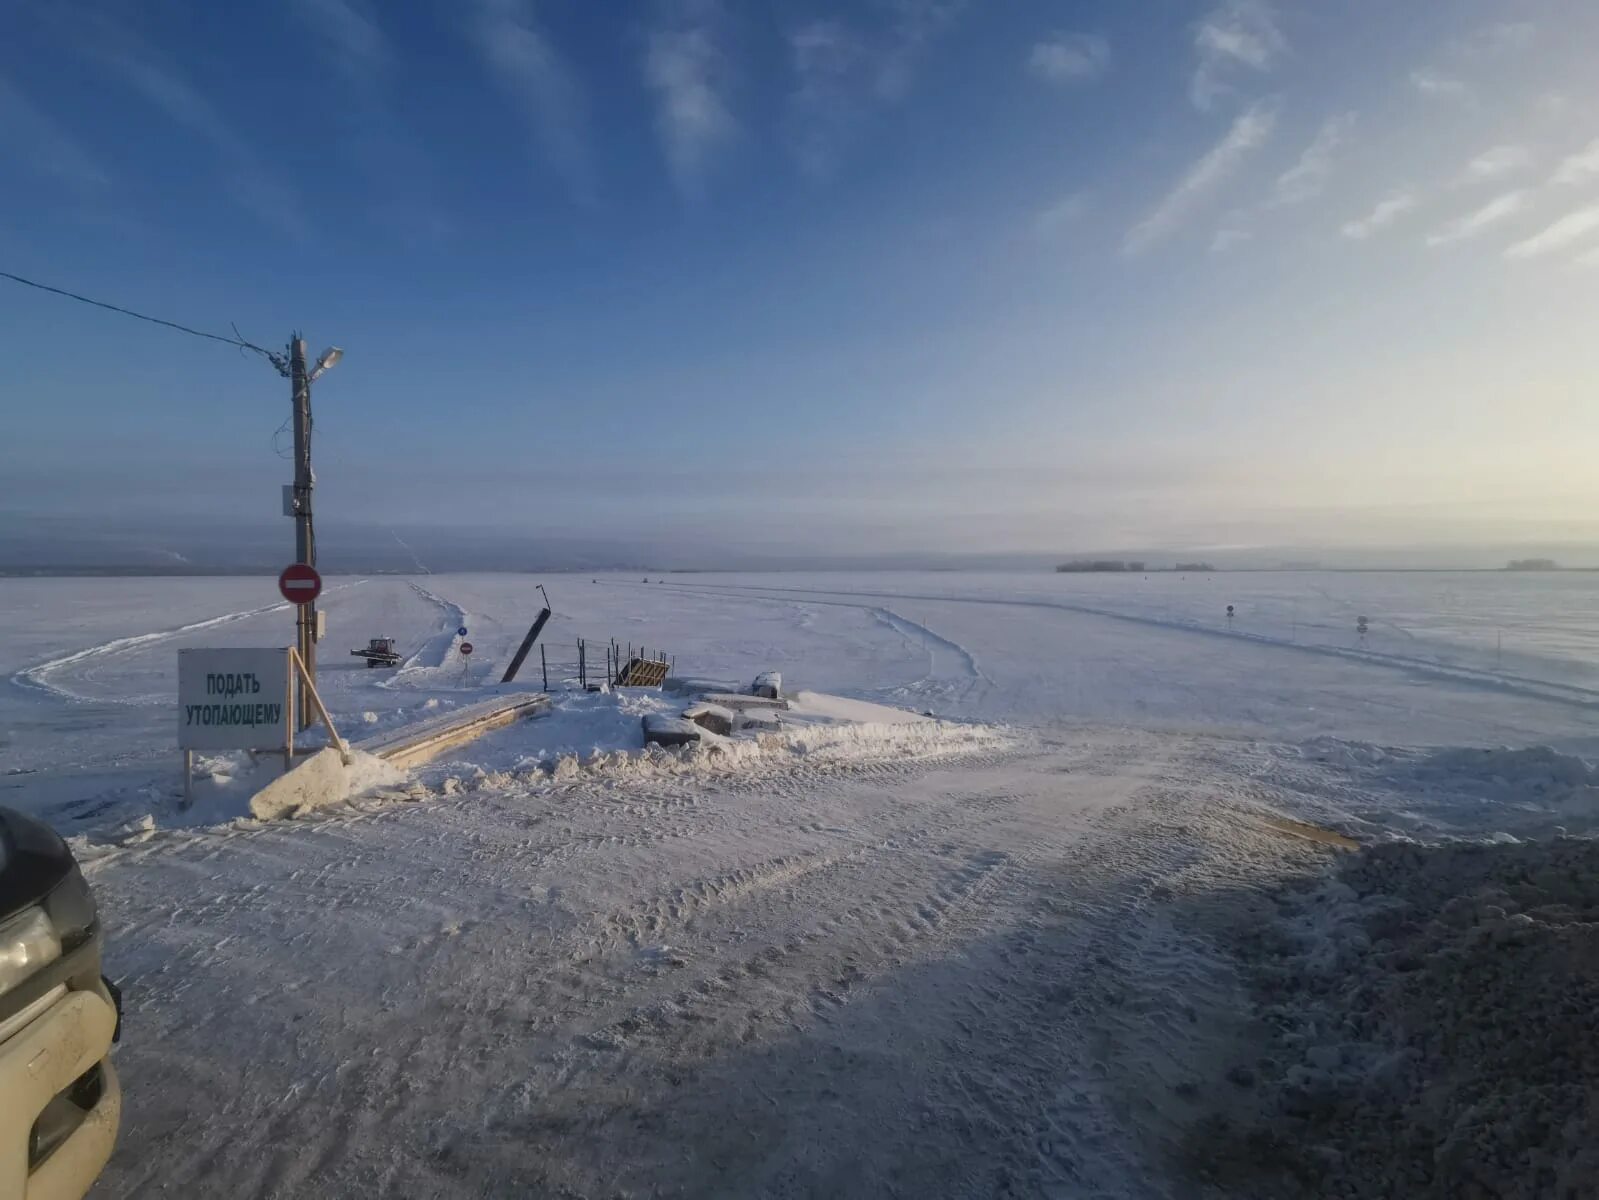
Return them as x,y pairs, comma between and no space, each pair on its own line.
466,647
299,583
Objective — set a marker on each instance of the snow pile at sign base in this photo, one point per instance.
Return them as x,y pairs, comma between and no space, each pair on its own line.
1433,1018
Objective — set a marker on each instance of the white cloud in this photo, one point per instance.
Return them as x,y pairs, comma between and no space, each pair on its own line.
1578,168
1388,210
1065,212
1571,228
1248,133
1237,34
1498,161
1069,58
1499,209
1307,177
1432,83
687,73
530,71
28,135
1588,258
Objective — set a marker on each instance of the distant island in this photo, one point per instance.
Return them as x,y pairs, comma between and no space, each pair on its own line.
1098,565
1083,566
1532,564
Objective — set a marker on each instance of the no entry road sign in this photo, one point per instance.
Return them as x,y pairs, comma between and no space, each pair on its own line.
299,583
466,647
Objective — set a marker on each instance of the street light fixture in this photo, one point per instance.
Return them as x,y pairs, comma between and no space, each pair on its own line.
329,360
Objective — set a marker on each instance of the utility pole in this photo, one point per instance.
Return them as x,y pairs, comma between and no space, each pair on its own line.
304,532
293,367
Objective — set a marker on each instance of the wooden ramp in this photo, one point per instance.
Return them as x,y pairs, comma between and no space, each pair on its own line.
642,672
426,740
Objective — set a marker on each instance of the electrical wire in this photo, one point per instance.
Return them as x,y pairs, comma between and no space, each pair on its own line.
128,312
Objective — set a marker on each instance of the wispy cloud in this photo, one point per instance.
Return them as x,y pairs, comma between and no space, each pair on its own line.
1061,215
346,34
38,141
1238,35
1578,168
531,72
688,73
1387,210
1500,208
1495,163
914,25
843,72
1229,237
1567,231
826,105
252,184
1306,179
1248,133
1588,258
1069,58
1438,85
1501,37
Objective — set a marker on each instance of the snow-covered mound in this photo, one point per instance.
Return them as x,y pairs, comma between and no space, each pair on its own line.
602,733
1431,1017
1492,793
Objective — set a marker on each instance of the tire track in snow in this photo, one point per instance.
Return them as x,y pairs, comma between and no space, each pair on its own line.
916,632
37,677
433,653
1552,691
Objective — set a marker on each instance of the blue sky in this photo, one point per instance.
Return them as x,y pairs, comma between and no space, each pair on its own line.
887,274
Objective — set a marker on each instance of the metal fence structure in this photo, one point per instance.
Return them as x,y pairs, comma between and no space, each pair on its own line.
606,664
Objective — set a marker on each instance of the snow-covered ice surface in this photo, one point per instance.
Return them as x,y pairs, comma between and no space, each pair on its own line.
917,957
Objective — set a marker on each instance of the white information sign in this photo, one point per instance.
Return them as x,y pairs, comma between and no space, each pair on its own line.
234,699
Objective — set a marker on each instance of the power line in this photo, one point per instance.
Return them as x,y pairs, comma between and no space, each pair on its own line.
128,312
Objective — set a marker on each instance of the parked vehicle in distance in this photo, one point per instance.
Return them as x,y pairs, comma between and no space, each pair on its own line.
60,1103
379,652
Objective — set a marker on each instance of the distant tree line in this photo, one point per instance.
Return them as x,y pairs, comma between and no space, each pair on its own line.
1532,564
1193,566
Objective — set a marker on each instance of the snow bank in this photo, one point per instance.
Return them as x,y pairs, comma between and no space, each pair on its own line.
1489,793
602,731
1429,1018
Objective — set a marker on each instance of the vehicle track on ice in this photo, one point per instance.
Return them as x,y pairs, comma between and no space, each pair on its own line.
434,652
898,977
1555,691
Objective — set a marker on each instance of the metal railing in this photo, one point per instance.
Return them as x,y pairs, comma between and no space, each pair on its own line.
605,665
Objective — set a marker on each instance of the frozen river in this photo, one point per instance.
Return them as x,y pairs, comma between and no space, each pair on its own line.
976,972
1485,658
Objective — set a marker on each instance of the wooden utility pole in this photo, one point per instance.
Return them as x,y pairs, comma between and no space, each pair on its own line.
304,531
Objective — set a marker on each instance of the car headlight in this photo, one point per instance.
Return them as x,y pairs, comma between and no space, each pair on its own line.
27,943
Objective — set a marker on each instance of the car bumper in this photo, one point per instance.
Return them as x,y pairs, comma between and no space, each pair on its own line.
50,1056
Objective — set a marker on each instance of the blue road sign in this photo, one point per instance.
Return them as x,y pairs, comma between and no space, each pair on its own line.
461,632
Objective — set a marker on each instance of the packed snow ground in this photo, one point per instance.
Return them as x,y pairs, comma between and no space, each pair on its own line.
956,961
